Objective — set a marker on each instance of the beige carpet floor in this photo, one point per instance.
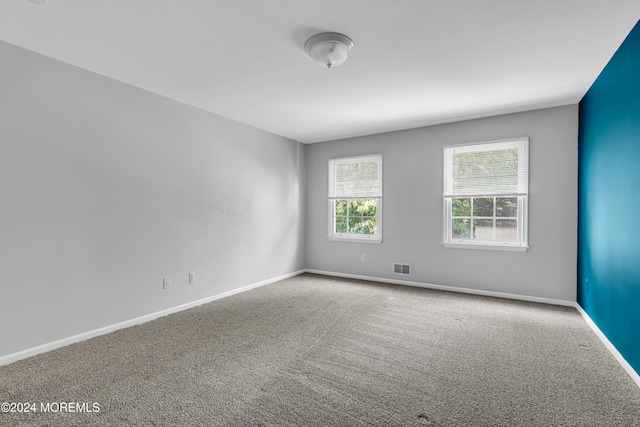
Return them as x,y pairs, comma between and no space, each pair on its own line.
319,351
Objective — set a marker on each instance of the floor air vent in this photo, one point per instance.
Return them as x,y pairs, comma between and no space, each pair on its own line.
404,269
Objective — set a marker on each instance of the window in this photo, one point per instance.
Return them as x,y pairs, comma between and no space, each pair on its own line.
355,198
485,195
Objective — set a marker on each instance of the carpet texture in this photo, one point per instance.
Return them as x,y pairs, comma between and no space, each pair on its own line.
319,351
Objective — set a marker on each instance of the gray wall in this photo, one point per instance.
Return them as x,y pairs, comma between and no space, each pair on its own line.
413,208
105,189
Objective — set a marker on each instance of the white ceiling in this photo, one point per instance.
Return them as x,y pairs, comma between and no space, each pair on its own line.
415,62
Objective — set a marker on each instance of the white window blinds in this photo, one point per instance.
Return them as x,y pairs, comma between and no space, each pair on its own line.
487,169
355,177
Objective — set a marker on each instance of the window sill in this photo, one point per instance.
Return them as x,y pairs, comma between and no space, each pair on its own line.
349,239
485,246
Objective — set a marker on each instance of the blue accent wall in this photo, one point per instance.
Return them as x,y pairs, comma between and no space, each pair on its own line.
609,200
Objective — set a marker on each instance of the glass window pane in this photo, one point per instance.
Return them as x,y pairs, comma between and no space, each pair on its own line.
507,230
369,207
483,207
355,225
354,206
460,207
368,225
355,216
363,207
483,229
460,228
507,207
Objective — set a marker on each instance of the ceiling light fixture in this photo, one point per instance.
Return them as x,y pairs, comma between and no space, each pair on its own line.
329,49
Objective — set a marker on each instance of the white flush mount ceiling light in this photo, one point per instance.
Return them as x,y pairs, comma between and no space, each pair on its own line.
329,49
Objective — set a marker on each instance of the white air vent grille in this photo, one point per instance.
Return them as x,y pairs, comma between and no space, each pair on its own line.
404,269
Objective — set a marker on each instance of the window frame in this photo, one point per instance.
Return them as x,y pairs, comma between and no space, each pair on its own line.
332,199
522,243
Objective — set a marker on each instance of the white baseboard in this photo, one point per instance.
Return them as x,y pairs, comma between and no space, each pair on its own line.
10,358
447,288
612,349
14,357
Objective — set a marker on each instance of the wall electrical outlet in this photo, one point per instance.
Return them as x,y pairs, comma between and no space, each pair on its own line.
192,277
166,283
363,258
